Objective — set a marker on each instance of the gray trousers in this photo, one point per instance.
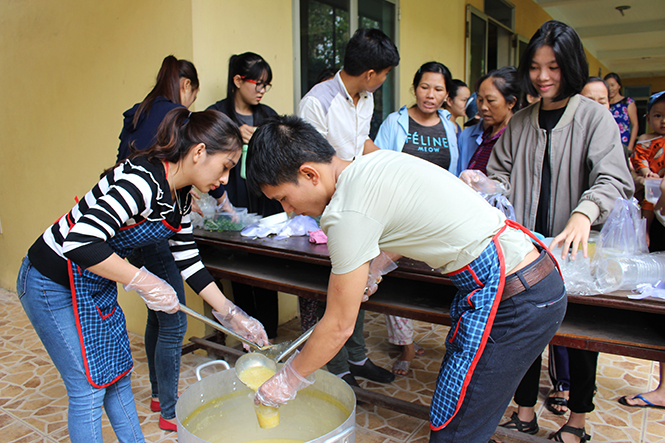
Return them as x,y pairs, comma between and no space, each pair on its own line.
354,349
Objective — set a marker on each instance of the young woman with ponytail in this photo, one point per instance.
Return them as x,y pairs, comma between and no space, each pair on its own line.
67,283
249,80
176,87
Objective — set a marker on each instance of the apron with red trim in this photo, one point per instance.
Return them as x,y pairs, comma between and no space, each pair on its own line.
480,286
99,319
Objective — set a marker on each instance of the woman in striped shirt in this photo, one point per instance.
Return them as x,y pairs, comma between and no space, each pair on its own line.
67,282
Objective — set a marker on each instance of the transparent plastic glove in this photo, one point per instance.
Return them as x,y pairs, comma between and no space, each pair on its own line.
282,386
378,267
157,294
239,322
225,205
480,183
195,206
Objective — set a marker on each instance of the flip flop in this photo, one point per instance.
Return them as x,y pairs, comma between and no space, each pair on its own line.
402,366
648,404
419,349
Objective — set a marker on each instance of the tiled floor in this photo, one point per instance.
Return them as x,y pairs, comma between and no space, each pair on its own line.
33,403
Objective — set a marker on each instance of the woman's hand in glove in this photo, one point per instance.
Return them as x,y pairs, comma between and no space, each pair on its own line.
282,386
157,294
480,183
239,322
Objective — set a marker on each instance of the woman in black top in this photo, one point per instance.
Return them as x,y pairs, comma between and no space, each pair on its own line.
248,81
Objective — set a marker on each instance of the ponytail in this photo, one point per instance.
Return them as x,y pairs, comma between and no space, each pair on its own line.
168,83
181,129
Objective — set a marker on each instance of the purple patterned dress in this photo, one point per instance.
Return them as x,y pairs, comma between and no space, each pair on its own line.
620,113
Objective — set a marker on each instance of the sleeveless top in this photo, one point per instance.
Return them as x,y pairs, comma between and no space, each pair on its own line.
620,113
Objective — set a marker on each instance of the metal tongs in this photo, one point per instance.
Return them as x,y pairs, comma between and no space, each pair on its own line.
275,352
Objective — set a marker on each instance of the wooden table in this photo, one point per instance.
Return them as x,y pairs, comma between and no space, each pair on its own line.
608,323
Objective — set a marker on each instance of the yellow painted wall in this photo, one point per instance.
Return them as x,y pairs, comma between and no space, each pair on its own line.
430,30
529,16
223,28
657,83
70,70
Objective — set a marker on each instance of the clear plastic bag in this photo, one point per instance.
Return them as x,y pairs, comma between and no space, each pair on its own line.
479,182
297,226
492,191
501,202
290,227
624,232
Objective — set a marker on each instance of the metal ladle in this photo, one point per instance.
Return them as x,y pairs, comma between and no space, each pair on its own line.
273,352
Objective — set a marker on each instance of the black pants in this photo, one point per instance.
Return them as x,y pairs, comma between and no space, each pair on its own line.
582,366
656,237
260,303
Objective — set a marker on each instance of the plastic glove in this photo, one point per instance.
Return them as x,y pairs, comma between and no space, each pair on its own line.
157,294
225,205
282,386
480,183
378,267
195,206
239,322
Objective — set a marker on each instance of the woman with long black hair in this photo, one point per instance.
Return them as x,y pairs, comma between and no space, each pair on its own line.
67,283
249,80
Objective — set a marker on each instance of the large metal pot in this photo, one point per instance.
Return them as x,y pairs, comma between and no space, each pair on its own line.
220,408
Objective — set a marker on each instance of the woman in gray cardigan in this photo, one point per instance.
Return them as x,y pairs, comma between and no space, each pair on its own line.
562,161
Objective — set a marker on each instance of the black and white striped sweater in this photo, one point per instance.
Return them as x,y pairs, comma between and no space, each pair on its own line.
134,191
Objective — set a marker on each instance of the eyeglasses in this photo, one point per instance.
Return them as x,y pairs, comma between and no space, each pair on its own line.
259,85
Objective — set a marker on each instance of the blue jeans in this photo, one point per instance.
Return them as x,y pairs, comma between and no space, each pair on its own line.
164,332
49,308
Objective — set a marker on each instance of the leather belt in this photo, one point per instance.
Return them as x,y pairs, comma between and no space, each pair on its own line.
532,274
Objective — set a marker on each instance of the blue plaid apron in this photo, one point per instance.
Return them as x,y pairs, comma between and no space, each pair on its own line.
480,286
99,319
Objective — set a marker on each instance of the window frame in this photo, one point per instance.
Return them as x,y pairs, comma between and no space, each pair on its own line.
353,26
514,40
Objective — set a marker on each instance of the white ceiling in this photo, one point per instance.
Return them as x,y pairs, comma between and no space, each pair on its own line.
632,45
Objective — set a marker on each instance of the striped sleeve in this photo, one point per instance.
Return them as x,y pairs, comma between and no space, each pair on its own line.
117,198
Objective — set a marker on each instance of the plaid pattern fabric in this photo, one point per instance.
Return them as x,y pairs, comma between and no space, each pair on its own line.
472,313
100,320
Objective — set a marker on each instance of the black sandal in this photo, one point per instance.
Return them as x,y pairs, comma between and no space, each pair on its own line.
556,401
527,427
579,432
